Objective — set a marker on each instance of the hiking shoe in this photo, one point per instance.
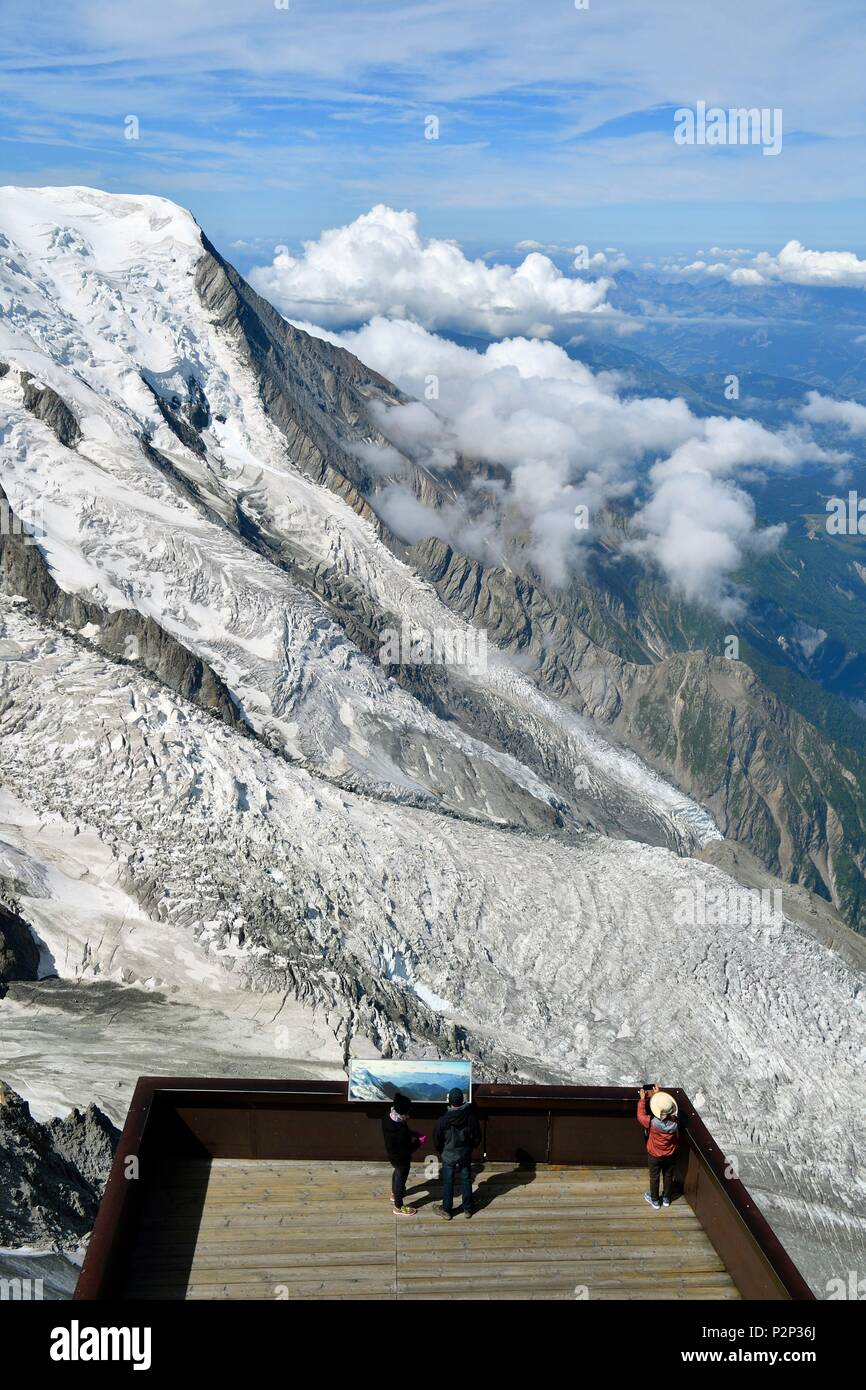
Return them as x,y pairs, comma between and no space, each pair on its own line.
655,1204
440,1211
666,1201
405,1211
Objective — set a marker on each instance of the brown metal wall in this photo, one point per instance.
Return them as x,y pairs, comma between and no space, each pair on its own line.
755,1277
249,1124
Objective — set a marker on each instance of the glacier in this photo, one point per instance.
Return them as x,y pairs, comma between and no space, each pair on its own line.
312,859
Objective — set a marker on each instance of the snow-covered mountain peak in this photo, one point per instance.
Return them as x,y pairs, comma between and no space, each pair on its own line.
98,283
117,232
175,490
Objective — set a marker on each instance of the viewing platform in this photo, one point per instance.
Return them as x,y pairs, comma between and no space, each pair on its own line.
278,1190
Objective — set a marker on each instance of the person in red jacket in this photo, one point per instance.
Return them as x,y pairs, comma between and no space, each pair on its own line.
659,1119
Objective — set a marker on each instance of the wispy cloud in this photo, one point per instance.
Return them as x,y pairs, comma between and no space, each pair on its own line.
538,107
559,437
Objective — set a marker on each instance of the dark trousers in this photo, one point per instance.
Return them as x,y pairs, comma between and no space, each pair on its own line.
399,1179
448,1172
661,1168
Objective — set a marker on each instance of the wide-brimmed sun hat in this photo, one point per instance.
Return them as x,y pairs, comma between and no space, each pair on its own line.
662,1105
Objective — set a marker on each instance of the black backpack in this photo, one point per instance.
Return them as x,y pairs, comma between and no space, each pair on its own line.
461,1139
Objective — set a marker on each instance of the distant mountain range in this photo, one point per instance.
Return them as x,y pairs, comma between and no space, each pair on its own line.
369,1085
786,332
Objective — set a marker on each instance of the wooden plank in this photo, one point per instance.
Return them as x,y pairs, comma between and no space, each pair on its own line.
243,1229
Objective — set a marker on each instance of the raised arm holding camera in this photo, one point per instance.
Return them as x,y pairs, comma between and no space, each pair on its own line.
657,1112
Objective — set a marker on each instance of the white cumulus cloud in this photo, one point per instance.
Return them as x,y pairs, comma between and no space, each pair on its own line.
795,264
699,523
823,410
557,436
698,529
380,264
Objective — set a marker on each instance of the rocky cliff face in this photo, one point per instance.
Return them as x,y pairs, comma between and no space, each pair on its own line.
51,1175
124,634
315,393
772,782
47,406
19,954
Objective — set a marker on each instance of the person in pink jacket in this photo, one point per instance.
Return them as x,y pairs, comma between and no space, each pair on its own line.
657,1112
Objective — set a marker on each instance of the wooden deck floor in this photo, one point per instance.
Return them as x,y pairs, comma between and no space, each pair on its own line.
276,1230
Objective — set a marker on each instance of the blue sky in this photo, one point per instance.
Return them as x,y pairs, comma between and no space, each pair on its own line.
554,123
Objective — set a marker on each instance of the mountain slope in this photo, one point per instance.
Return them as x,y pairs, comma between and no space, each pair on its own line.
585,644
414,933
218,805
183,504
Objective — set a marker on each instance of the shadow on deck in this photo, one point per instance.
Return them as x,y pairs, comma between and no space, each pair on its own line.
295,1230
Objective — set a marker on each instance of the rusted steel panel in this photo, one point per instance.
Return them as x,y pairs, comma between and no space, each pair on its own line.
104,1267
744,1239
318,1132
745,1261
592,1138
511,1137
221,1130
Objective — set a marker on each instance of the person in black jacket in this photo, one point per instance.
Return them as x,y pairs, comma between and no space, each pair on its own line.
400,1144
456,1134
